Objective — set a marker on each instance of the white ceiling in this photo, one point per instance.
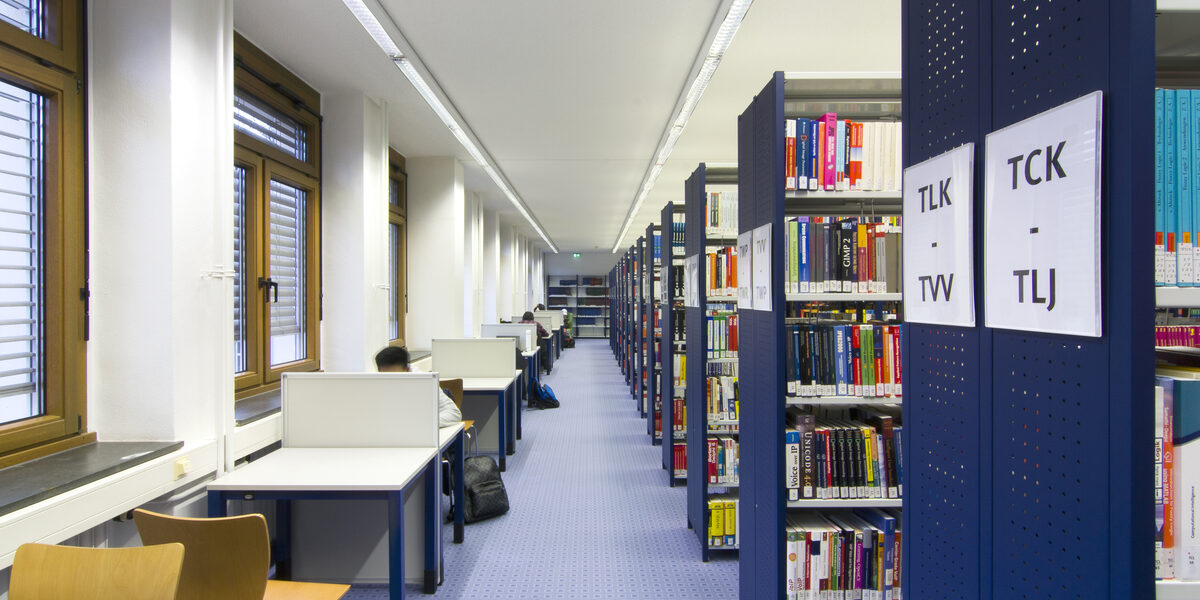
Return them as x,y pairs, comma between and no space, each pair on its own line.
571,98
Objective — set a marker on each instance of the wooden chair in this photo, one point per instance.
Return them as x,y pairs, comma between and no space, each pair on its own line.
227,558
42,572
454,387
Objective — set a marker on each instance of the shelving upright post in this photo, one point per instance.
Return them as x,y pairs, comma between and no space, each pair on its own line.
671,256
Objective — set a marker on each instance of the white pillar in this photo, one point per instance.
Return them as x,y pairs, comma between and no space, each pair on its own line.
437,221
161,226
491,268
504,292
354,225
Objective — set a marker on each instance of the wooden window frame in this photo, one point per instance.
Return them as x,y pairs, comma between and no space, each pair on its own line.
398,215
62,45
285,92
25,61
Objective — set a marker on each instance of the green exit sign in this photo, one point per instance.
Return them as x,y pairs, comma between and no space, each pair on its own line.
574,255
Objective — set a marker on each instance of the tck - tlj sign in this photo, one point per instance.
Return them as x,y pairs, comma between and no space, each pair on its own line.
1042,221
939,265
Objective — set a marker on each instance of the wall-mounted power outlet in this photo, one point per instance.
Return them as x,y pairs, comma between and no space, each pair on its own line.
182,466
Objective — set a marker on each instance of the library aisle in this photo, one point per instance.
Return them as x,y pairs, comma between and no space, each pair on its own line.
591,515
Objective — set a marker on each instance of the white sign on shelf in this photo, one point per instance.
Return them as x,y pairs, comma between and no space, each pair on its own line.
939,259
745,299
691,270
761,267
1042,222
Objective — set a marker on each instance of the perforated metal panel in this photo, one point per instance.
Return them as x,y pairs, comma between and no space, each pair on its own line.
1028,456
941,424
1051,476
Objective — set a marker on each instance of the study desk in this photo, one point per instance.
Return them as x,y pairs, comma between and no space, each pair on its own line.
506,429
340,474
452,436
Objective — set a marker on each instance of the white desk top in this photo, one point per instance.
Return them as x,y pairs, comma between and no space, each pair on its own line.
487,384
329,469
530,354
446,435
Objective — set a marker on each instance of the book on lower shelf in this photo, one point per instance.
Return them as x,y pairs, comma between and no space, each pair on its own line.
839,358
843,453
841,254
680,450
723,461
723,522
852,553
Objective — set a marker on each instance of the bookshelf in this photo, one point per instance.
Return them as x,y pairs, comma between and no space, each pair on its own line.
764,202
652,309
671,260
1177,49
639,325
585,297
696,245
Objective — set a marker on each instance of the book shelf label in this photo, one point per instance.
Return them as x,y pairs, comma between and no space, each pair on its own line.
760,263
745,298
691,287
1042,221
939,273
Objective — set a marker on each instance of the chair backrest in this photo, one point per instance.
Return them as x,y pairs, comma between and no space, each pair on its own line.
226,557
454,387
140,573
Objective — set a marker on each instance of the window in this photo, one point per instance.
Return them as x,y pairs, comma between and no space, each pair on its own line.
276,222
42,255
397,247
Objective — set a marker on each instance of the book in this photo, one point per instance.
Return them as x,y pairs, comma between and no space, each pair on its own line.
1164,517
1160,256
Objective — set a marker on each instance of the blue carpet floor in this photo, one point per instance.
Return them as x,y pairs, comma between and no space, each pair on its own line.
591,514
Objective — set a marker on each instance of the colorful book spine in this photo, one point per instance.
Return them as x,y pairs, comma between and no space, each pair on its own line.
803,151
830,123
1171,198
1183,183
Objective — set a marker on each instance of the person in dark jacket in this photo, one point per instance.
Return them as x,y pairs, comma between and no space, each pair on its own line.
528,318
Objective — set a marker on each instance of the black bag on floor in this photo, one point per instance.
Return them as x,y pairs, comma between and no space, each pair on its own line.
485,497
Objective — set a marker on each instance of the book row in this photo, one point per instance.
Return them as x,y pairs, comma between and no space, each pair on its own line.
834,154
842,254
721,274
1177,473
836,358
848,554
1176,187
722,460
678,416
723,522
677,231
721,394
720,214
680,452
722,333
1177,335
843,454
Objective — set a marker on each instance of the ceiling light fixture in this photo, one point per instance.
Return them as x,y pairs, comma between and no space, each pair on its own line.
708,62
391,40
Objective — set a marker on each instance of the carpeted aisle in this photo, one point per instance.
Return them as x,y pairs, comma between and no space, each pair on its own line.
591,514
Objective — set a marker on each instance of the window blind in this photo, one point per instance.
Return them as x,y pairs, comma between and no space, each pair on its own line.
240,343
287,266
265,124
21,165
27,15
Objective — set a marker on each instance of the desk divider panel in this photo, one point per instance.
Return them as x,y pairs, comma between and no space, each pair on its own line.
360,410
488,357
526,331
554,317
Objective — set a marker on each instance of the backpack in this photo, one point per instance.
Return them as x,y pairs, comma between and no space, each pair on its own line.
543,397
485,496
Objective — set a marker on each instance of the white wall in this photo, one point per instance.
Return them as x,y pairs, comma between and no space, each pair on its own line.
354,225
436,240
504,292
588,263
491,268
161,229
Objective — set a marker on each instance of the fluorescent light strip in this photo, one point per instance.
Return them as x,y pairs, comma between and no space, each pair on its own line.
385,41
373,27
716,51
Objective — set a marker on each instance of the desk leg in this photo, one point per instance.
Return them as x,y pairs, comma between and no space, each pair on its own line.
283,539
501,430
510,395
521,401
395,501
460,487
433,525
217,506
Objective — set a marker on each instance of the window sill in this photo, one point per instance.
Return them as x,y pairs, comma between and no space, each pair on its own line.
97,497
249,410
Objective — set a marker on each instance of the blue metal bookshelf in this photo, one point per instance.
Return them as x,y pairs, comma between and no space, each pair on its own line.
695,244
639,327
1064,443
650,308
669,347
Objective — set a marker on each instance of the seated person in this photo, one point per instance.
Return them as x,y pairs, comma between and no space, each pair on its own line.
528,318
394,359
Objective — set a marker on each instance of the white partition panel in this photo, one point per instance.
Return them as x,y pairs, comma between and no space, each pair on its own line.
554,317
527,332
486,357
360,410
